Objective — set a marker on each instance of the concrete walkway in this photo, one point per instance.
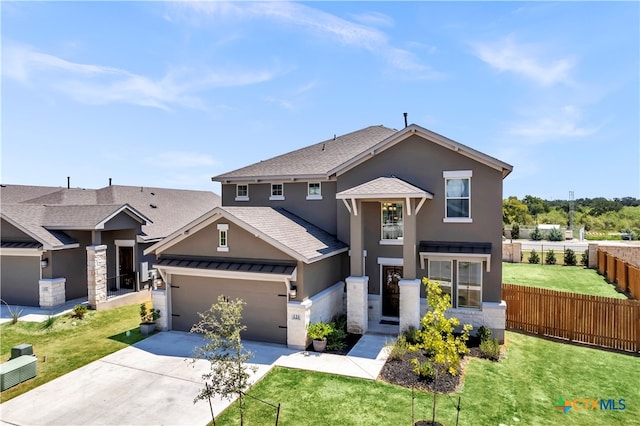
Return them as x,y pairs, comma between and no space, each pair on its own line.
35,314
155,381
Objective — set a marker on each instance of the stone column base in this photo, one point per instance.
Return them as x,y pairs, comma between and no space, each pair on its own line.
159,301
52,292
409,304
357,308
494,316
298,318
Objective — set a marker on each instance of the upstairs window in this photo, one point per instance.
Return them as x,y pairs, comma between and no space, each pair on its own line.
458,196
314,191
277,191
242,192
392,226
223,230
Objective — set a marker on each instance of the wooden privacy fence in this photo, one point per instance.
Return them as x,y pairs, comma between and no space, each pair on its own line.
623,274
593,320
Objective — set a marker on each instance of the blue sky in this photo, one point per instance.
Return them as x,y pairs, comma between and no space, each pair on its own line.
169,94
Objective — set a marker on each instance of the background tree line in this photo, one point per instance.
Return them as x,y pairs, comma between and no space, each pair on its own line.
594,214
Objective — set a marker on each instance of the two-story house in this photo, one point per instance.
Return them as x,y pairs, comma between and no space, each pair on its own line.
362,217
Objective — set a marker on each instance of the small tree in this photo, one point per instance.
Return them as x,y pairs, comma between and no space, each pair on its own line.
570,257
536,234
550,258
515,231
229,376
436,337
534,258
555,234
584,260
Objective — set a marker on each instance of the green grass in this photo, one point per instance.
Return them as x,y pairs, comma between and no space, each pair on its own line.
525,385
69,343
573,279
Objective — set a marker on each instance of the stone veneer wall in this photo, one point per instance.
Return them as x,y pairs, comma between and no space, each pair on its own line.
357,305
159,301
324,306
97,274
52,292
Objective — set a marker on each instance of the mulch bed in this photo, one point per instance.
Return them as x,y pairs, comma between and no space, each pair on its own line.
349,343
400,372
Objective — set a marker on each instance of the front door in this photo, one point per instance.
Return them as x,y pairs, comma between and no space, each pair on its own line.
391,276
126,273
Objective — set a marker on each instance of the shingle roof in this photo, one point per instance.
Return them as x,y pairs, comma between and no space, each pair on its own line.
168,209
384,187
81,216
324,159
289,231
314,160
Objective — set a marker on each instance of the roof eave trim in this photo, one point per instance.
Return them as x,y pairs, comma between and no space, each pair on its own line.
326,255
273,178
216,273
385,195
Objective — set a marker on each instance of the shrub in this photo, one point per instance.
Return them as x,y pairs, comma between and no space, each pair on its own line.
570,257
14,313
534,257
150,315
319,330
425,370
484,333
584,260
490,349
336,339
411,335
536,234
515,231
79,311
398,349
550,258
555,235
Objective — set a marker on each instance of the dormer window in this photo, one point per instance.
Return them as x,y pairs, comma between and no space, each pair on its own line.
242,192
314,191
277,191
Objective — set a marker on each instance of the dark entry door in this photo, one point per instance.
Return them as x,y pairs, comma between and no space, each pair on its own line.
126,272
391,275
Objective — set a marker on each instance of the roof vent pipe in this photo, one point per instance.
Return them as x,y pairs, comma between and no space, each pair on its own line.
68,182
109,181
405,119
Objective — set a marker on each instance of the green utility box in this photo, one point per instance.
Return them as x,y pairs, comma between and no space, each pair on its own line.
17,370
23,349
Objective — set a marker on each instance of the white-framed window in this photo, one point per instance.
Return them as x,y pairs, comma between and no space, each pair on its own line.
457,190
391,223
314,191
442,272
277,191
242,192
223,237
469,284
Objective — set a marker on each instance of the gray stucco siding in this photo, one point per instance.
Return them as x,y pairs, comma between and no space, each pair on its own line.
422,163
20,276
314,277
241,244
321,213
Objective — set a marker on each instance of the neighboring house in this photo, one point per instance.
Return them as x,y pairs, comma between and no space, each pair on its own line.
370,213
59,244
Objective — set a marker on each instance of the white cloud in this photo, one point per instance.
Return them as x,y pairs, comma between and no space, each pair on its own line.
374,18
181,160
507,55
96,84
320,23
561,123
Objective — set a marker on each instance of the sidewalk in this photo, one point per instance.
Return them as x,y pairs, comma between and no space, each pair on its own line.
35,314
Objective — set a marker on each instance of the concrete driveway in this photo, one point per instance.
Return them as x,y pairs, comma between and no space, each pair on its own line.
154,382
150,383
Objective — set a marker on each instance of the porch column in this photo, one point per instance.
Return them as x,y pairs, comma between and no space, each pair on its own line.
409,303
52,292
357,307
356,240
97,275
409,244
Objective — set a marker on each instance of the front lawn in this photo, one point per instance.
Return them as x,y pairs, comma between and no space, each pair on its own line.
574,279
69,343
521,389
